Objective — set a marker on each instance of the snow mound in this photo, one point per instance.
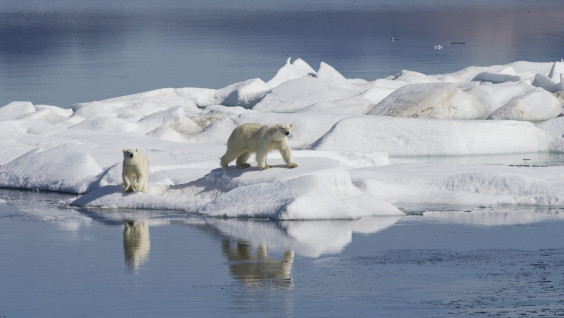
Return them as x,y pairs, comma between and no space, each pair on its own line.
246,93
506,75
554,81
340,86
469,185
536,105
16,110
107,124
430,100
318,189
298,69
63,168
294,95
137,106
426,137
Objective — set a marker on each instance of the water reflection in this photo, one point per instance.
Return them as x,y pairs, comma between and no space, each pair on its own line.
305,238
259,253
256,268
136,244
259,267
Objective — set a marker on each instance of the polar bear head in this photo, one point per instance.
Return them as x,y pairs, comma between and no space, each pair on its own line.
130,155
280,131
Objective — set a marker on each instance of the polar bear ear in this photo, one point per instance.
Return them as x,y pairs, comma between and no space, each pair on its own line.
123,150
291,126
136,150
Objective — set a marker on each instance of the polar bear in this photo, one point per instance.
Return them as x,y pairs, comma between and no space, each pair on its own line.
262,139
135,170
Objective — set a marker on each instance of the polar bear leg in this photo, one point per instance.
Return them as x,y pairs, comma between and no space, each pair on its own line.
261,159
229,156
142,182
127,183
242,160
286,153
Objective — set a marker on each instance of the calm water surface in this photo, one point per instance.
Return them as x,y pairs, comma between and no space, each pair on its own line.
60,262
62,52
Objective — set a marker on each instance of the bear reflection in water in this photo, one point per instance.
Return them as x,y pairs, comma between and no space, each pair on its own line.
136,244
258,269
252,268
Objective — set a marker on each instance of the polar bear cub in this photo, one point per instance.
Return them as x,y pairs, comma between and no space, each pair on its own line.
135,170
260,139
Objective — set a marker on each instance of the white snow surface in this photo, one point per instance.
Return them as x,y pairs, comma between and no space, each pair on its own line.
359,144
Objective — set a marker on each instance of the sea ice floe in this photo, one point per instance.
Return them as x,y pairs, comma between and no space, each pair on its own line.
350,137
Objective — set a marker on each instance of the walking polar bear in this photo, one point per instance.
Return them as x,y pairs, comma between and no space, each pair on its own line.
260,139
135,170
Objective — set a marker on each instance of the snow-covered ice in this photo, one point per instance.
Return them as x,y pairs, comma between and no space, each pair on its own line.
358,143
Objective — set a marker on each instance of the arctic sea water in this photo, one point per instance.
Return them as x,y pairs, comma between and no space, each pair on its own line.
63,52
87,263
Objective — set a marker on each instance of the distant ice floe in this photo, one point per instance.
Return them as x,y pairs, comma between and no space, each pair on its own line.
346,136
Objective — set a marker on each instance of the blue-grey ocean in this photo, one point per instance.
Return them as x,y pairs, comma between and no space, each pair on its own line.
60,52
435,261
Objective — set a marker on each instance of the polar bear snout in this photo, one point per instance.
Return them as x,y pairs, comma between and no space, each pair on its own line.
285,129
129,153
